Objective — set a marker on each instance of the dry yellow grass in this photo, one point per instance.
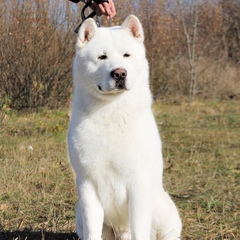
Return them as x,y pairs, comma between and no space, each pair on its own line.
202,171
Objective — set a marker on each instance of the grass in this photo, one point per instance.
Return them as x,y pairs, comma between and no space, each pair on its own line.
201,146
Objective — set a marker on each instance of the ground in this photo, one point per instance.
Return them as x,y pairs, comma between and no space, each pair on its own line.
201,145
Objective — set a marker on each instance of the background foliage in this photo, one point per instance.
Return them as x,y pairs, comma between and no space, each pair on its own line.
37,48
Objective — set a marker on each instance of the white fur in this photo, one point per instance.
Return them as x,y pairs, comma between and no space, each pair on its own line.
113,140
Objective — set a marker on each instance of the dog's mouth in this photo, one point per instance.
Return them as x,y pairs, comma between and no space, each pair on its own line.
111,90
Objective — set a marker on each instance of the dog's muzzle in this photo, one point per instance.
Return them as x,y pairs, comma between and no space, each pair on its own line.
117,83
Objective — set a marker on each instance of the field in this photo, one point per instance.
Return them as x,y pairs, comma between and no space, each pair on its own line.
201,146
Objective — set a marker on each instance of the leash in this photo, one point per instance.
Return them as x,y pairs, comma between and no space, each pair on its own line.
91,15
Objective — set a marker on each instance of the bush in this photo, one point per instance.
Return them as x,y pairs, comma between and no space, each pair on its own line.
37,48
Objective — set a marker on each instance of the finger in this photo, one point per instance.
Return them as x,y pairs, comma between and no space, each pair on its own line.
112,8
102,9
97,8
113,12
107,8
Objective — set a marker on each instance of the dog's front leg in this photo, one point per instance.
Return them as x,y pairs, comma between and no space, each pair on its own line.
89,212
140,212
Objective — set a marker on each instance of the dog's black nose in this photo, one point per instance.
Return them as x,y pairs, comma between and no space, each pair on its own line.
119,74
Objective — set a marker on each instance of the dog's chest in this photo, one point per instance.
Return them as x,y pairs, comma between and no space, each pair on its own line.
104,160
103,133
117,141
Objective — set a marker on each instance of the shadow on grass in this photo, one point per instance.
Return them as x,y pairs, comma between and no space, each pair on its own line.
40,235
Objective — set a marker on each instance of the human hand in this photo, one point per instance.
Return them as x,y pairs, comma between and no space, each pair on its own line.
104,8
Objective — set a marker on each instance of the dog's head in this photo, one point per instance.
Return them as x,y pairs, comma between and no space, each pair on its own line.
109,61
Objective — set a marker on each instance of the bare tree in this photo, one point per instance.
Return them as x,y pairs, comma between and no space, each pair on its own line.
36,54
191,44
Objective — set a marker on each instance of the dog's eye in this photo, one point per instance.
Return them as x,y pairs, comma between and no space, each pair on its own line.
126,55
102,57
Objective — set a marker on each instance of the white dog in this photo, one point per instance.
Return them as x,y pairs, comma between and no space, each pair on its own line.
113,140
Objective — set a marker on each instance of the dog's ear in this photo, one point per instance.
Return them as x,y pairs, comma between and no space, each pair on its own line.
133,25
86,32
